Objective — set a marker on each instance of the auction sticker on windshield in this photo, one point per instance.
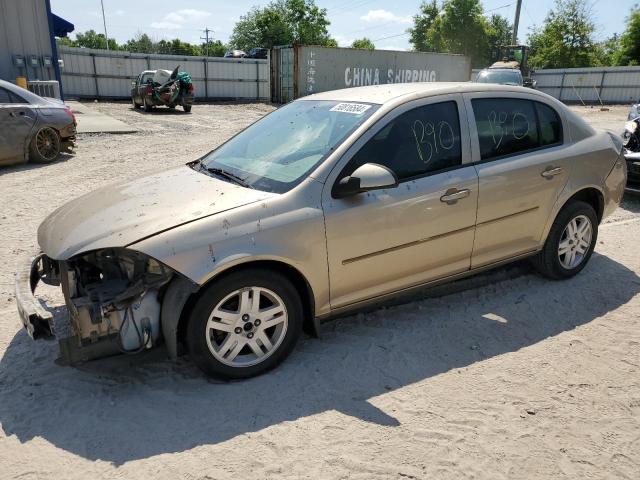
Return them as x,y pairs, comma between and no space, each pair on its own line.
355,108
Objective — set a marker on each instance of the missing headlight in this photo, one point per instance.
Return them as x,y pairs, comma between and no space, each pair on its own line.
114,295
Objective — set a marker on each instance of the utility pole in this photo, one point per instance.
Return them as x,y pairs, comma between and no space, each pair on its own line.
516,21
104,21
206,39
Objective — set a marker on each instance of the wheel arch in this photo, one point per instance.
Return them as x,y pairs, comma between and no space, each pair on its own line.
181,298
590,194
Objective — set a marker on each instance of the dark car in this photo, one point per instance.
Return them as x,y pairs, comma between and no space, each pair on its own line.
33,128
257,52
153,88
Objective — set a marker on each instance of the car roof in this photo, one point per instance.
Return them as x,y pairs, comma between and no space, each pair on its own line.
381,94
30,97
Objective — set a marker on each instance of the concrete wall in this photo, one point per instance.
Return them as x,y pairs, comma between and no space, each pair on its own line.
102,74
24,30
318,69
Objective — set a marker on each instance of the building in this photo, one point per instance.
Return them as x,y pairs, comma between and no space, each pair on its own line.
27,40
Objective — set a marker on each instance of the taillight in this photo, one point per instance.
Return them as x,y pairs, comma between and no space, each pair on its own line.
149,90
70,113
190,88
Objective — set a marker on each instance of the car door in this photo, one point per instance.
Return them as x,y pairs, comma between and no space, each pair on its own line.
135,85
386,240
17,118
523,163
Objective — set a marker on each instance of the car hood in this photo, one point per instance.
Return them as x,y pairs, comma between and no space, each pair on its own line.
121,214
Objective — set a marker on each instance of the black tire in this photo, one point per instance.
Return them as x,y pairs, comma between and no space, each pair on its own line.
44,146
135,104
147,107
547,262
216,292
187,108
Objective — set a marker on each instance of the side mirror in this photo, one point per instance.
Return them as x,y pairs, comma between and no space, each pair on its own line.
369,176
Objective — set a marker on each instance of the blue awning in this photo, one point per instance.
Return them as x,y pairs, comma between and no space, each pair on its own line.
60,26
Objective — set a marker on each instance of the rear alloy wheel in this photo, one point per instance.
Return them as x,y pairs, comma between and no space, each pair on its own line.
575,242
44,146
187,108
245,324
570,243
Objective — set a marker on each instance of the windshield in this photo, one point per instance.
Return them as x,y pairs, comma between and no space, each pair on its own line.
504,77
278,151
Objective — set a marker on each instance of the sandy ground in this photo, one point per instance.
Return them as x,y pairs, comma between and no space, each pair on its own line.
511,377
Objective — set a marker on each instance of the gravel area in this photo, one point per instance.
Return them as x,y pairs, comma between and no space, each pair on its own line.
513,377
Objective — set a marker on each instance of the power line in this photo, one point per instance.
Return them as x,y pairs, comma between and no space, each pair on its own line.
390,36
499,8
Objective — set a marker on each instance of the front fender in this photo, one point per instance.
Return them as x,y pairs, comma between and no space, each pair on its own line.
283,229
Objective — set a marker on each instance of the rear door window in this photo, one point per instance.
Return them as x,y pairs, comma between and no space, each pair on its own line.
506,126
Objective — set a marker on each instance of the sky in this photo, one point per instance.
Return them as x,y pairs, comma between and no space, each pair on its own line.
382,21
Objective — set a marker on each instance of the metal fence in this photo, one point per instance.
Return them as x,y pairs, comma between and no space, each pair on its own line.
591,85
102,74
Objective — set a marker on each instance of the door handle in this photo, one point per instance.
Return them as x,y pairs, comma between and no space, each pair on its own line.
13,114
551,172
452,195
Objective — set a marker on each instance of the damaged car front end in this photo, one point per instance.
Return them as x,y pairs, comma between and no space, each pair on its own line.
113,297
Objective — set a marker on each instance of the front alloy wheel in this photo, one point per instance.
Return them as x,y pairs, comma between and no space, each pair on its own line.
247,326
244,323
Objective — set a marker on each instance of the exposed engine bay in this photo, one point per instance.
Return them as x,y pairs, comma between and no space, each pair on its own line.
114,301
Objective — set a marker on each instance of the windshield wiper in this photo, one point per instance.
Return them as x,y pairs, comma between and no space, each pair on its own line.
229,176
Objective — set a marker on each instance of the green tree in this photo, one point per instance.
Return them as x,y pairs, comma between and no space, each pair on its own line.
215,48
421,35
364,43
499,33
566,40
629,53
91,39
464,30
458,26
282,22
141,43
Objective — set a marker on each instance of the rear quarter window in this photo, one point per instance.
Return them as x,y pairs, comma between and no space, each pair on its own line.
550,125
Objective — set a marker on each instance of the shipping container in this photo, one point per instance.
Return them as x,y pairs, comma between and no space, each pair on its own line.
102,74
301,70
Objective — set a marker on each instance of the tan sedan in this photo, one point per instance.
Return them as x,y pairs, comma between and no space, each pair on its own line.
328,204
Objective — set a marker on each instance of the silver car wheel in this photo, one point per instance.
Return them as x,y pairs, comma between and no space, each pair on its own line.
246,326
575,242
